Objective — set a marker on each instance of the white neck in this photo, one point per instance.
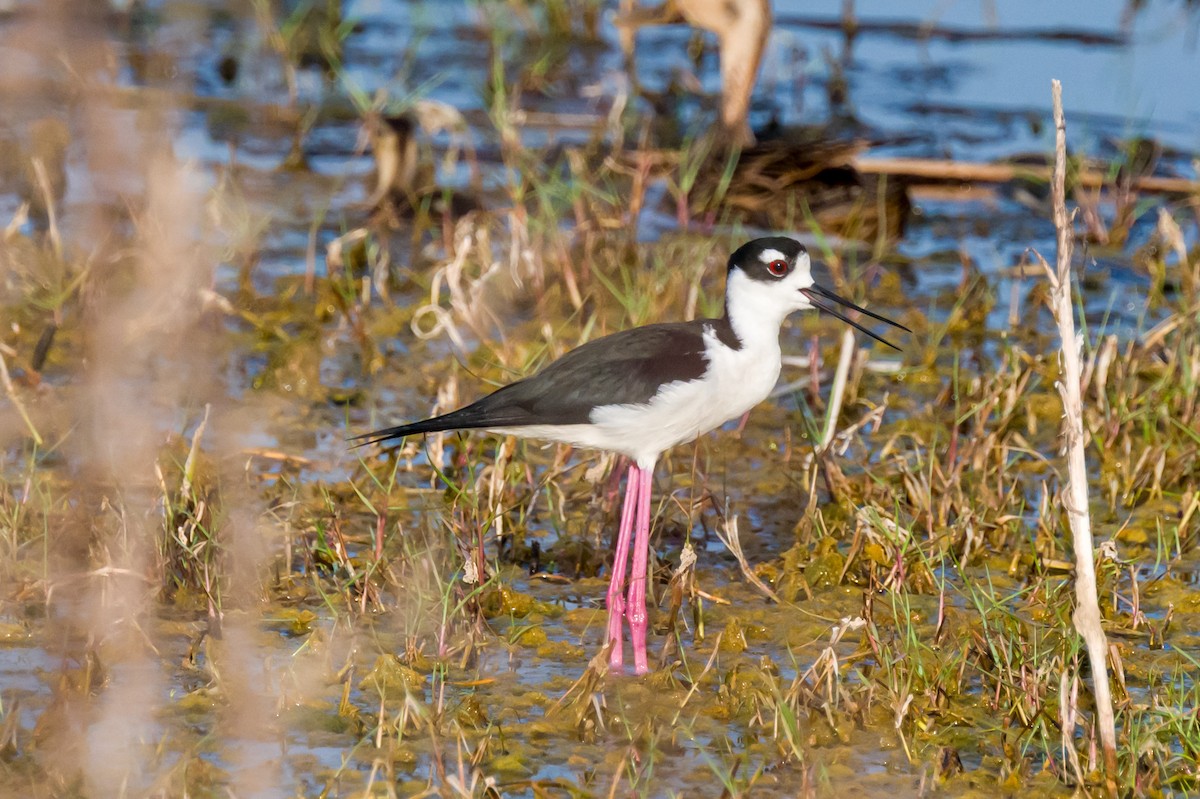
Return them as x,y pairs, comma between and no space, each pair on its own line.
754,310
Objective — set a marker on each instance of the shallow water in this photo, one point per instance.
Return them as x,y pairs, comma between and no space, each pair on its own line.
269,704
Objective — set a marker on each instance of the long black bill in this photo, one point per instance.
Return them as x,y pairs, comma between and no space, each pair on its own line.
814,291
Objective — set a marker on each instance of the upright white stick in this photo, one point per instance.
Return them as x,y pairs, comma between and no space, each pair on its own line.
1087,606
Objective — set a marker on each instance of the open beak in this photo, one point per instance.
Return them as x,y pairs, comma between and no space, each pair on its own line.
815,294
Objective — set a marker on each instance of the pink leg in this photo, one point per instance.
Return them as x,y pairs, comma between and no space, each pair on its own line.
616,583
638,619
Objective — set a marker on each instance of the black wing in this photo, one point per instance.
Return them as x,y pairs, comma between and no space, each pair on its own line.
627,367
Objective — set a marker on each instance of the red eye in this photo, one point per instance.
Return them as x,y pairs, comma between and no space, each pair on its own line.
778,268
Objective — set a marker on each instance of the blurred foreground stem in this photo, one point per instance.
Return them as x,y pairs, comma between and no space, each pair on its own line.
16,400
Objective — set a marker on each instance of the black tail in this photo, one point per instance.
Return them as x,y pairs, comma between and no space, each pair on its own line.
487,413
455,420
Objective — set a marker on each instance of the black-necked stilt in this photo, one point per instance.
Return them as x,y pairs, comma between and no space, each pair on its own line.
641,391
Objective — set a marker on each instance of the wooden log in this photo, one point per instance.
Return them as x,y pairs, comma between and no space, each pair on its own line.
940,170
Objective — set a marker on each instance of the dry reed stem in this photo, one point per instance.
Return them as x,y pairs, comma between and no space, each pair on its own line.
43,182
727,532
189,465
1087,610
837,391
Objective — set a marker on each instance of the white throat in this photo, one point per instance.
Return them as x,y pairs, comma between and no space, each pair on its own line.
756,309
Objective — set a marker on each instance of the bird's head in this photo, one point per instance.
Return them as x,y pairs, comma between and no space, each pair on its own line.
771,277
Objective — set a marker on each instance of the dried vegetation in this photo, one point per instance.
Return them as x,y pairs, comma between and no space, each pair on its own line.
202,592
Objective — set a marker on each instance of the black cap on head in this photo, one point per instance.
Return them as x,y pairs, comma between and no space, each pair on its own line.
755,256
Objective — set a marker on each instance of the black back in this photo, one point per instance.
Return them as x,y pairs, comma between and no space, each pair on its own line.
628,367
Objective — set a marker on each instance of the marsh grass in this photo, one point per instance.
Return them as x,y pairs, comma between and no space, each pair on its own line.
892,603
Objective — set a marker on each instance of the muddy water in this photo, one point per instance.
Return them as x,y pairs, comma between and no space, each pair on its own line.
304,694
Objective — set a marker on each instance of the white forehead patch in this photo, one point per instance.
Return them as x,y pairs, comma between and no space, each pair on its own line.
767,256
